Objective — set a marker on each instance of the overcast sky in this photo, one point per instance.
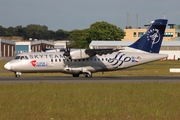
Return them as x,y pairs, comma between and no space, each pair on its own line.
80,14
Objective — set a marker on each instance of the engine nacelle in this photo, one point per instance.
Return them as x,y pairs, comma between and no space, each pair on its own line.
72,70
79,54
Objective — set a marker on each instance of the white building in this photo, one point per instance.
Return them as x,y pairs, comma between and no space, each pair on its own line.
172,48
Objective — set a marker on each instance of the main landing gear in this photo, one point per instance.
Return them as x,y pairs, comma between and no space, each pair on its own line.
75,75
86,74
17,74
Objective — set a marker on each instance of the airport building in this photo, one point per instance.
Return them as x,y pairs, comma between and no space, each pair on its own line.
172,48
172,33
170,44
10,48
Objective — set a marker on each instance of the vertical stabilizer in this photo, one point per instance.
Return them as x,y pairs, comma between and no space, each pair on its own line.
152,39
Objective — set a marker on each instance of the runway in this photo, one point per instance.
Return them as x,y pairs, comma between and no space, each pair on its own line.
102,79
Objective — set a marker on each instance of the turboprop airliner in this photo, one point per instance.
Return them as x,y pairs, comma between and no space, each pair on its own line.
87,61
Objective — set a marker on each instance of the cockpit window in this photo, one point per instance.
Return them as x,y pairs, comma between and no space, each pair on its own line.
17,57
21,57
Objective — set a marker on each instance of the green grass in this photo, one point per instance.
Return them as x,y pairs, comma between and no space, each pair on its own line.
94,101
2,63
90,101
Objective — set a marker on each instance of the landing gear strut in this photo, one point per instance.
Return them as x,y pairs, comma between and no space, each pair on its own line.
17,74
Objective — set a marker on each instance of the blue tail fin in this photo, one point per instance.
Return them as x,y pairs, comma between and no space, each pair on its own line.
152,39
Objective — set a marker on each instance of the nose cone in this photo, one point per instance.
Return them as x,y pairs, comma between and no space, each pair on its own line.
7,66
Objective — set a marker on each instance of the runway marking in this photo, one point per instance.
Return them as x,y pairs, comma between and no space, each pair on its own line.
104,79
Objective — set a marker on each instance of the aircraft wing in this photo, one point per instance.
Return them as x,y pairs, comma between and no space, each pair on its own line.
92,52
86,53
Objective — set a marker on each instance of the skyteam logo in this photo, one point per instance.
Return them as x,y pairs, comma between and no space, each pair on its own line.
153,35
120,58
34,63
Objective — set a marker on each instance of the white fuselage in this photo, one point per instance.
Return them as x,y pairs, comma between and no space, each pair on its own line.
56,62
86,61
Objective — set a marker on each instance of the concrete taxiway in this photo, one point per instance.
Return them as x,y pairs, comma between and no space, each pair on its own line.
103,79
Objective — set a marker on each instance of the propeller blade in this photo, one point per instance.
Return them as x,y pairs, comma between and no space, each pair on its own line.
67,51
42,47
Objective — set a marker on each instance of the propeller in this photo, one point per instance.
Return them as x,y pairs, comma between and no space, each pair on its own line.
43,49
67,51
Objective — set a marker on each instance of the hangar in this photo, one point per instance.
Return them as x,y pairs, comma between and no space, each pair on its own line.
10,48
172,48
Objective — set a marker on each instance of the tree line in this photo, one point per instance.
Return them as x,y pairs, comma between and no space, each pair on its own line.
78,38
34,31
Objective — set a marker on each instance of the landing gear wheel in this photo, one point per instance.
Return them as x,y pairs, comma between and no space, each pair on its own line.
75,75
17,76
88,75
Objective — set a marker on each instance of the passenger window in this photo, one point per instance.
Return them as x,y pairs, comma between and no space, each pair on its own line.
26,57
17,57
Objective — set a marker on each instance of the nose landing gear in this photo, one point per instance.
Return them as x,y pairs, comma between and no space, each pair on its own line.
17,74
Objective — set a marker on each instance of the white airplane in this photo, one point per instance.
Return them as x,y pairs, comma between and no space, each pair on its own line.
87,61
